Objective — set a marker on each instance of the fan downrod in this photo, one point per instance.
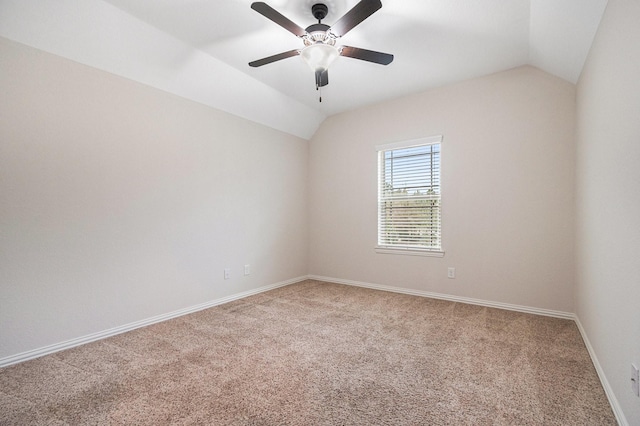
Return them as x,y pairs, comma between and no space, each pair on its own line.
319,11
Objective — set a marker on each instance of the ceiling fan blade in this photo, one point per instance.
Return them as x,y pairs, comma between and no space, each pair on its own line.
366,55
274,58
357,14
322,78
270,13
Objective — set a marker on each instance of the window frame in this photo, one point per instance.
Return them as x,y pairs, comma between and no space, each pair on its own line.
410,251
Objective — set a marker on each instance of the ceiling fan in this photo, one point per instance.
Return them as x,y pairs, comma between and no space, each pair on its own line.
319,40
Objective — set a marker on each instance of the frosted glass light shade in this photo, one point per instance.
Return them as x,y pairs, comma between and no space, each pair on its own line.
319,56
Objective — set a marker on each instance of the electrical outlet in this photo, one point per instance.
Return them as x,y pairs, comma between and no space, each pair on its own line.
451,272
635,380
227,273
247,269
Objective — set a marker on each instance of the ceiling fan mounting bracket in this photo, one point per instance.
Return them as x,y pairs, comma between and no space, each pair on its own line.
319,11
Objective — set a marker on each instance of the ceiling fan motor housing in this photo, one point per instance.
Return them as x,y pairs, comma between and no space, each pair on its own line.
318,33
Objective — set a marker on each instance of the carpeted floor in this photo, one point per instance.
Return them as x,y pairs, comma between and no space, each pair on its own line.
319,354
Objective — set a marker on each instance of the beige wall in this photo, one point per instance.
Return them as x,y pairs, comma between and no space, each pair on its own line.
608,199
119,202
507,182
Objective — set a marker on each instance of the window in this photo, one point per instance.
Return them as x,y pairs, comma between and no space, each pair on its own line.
409,197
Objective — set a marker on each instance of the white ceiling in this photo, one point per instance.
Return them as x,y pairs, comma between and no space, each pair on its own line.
200,49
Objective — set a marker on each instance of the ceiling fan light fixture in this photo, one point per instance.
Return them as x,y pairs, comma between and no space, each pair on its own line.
319,56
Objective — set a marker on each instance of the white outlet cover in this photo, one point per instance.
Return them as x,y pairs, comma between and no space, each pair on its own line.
635,380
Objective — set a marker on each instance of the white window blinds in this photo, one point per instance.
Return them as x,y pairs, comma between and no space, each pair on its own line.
409,195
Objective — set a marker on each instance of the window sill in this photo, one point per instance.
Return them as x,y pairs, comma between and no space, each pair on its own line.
409,252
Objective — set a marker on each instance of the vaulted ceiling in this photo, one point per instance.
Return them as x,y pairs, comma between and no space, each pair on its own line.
200,49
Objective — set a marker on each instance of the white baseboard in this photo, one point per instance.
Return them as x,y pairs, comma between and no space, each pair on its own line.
487,303
613,401
46,350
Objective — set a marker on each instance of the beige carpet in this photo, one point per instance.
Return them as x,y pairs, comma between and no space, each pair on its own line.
319,354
